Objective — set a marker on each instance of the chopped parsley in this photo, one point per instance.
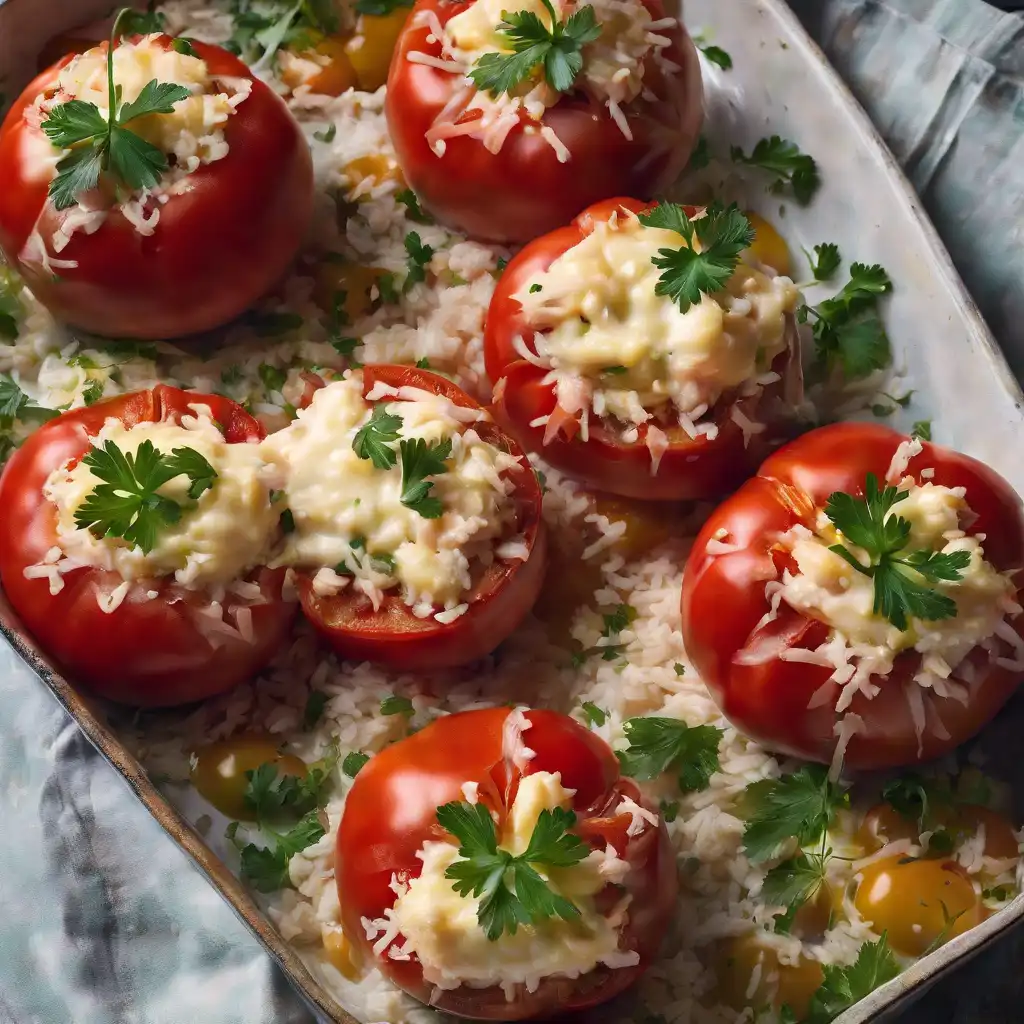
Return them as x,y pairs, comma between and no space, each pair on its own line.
395,705
512,891
99,145
11,309
270,795
680,670
789,166
847,329
419,257
314,710
422,364
127,504
354,762
845,986
687,274
881,410
669,810
825,261
420,460
413,210
386,289
327,135
718,56
701,155
659,745
922,429
92,392
266,868
901,577
273,378
593,714
373,440
557,51
614,623
259,34
346,347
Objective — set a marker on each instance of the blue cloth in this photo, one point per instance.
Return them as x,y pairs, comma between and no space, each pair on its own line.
104,921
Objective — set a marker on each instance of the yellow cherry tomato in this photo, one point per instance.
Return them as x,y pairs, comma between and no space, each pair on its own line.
769,246
648,524
218,771
884,824
1000,838
373,44
347,285
374,168
918,903
335,75
778,984
340,952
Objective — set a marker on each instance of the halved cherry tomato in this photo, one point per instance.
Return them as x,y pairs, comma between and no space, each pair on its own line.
336,74
391,811
537,191
219,245
371,48
724,600
148,653
500,599
690,468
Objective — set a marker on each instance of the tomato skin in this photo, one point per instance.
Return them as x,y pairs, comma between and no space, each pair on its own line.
768,700
217,248
690,468
145,653
391,811
502,598
538,193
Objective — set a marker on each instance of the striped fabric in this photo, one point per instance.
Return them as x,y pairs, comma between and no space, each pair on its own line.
104,921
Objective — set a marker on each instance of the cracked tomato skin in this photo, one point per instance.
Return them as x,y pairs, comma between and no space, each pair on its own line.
391,811
217,248
537,192
501,598
144,653
690,468
723,601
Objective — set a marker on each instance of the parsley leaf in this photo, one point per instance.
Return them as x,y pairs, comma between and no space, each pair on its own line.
614,623
791,884
314,710
11,309
898,593
557,50
512,890
787,163
420,460
847,329
594,714
801,806
825,261
373,439
723,232
92,392
105,144
394,705
143,23
717,56
419,257
845,986
354,762
922,429
266,868
15,404
701,155
327,135
269,793
658,745
413,210
127,504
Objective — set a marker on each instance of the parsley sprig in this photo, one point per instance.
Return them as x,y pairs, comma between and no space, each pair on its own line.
897,573
270,794
848,332
659,745
420,460
843,987
557,50
825,261
99,144
789,166
128,503
374,438
511,889
723,233
16,405
265,868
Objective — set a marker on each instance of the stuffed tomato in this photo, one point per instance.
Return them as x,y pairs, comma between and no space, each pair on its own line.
590,881
506,149
149,221
858,600
134,546
607,364
414,521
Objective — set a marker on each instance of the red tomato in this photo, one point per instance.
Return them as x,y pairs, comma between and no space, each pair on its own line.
501,598
724,600
146,653
689,468
524,190
391,811
218,246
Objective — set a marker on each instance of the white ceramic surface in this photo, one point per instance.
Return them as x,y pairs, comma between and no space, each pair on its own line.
780,84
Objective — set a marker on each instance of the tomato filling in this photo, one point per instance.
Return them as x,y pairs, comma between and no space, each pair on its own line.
613,41
395,493
616,346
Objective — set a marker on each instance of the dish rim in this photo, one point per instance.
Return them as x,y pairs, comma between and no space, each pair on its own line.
910,984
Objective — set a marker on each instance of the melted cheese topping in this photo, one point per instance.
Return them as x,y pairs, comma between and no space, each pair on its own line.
617,347
349,514
614,67
441,927
219,538
863,644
